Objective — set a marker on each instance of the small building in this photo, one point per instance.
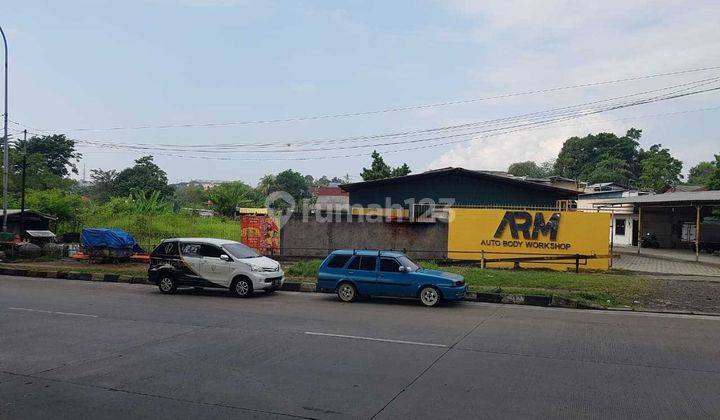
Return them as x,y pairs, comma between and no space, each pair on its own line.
460,186
623,228
330,198
33,220
676,219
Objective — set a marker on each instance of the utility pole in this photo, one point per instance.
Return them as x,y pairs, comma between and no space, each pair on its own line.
22,186
5,149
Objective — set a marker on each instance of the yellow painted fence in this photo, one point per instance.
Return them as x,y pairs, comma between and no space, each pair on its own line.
507,233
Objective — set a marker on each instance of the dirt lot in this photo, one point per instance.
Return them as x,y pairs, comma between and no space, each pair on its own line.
683,293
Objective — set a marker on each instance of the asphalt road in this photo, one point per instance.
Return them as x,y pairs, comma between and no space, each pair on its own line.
74,349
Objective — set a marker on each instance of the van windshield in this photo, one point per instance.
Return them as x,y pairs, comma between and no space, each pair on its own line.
238,250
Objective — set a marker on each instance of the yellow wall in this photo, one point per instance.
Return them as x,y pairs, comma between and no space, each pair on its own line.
473,230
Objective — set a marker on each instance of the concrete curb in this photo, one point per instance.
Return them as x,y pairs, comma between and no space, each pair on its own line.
307,287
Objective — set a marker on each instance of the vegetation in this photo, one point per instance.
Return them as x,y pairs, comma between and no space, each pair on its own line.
605,157
381,170
531,169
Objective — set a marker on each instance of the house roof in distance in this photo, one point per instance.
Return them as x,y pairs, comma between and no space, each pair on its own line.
694,197
502,177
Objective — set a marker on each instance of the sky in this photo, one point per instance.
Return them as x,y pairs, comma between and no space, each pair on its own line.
108,64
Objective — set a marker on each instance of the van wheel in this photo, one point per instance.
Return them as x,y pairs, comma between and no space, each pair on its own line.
242,287
167,284
347,292
430,296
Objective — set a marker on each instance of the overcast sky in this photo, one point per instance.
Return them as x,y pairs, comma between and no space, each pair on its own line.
99,64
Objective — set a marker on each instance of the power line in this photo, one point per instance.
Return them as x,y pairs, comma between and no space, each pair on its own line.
506,130
572,112
380,111
226,147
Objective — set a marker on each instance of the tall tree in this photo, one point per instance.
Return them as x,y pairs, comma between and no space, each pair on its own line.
527,168
103,184
659,169
714,179
293,183
579,156
267,184
190,195
611,169
57,150
228,196
381,170
144,176
701,173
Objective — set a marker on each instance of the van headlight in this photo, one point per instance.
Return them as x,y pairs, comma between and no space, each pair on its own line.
255,267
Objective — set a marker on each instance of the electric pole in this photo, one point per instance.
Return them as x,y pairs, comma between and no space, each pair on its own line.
22,186
5,149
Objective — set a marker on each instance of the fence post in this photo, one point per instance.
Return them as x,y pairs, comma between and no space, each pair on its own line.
577,263
482,259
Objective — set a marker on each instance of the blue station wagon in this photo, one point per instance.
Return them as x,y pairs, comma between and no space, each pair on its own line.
354,273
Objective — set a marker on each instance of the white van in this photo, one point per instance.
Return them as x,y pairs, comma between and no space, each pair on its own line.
212,263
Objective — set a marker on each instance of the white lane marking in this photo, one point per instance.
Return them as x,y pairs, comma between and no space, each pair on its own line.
53,312
385,340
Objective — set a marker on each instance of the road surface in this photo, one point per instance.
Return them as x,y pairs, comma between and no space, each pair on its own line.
74,349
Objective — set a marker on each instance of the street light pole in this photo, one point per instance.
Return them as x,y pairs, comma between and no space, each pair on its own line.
5,138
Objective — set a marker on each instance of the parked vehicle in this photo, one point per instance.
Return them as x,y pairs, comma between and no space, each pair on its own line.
351,274
650,240
212,263
102,244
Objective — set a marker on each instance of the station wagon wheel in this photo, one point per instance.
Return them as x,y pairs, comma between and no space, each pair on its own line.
242,287
429,296
167,284
346,292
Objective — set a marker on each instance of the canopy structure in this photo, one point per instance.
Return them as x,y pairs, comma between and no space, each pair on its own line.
677,204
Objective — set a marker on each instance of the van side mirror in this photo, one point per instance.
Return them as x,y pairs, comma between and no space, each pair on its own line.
402,269
224,257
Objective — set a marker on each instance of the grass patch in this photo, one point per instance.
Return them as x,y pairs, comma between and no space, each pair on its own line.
599,288
304,268
149,230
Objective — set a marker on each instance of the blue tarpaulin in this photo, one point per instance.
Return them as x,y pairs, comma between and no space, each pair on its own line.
108,238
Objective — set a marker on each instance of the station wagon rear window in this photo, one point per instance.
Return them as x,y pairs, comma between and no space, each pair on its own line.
338,261
368,263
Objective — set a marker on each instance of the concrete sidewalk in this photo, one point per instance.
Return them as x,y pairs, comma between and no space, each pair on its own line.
647,263
671,254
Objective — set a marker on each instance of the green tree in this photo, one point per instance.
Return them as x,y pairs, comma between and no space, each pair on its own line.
103,184
659,169
58,203
144,176
579,156
714,179
701,173
190,196
293,183
611,169
527,168
381,170
228,196
58,151
267,185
